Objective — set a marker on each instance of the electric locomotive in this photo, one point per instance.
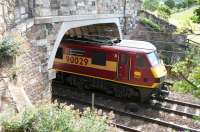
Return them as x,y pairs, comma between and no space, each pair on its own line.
124,68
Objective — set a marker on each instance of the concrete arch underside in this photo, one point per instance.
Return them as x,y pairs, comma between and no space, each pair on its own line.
73,24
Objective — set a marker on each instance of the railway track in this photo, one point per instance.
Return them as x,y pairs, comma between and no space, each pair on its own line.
161,106
171,106
189,110
129,114
126,128
137,116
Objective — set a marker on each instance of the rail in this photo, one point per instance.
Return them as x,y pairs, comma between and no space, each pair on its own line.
189,41
159,106
182,103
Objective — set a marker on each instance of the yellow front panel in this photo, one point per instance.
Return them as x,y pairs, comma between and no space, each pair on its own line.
159,71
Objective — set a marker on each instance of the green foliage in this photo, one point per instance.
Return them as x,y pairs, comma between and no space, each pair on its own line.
49,118
182,86
151,5
190,69
164,12
196,17
150,23
170,3
197,118
9,47
185,3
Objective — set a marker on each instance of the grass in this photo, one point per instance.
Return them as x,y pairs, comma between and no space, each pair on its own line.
183,20
150,23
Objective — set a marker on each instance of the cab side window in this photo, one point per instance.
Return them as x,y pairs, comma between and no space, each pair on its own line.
140,61
99,58
59,53
123,59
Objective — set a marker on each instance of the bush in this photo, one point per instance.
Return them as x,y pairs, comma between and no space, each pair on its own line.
170,3
52,118
197,118
186,3
188,70
164,12
196,17
9,47
151,5
150,23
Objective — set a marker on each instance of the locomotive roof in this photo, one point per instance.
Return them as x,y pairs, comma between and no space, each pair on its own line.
141,46
125,45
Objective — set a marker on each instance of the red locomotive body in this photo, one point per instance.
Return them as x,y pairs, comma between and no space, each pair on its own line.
131,64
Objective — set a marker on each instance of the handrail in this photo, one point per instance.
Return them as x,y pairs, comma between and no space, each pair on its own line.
89,41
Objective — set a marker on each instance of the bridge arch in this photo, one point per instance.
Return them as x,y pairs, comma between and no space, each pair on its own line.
74,24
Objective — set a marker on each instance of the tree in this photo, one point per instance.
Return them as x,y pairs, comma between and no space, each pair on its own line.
186,3
164,12
188,72
170,3
151,5
196,17
191,2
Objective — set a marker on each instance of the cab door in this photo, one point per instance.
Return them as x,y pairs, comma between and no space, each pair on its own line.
123,66
141,71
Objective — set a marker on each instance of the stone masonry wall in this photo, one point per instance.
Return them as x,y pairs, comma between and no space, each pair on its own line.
163,41
88,7
5,97
168,27
33,73
85,7
13,12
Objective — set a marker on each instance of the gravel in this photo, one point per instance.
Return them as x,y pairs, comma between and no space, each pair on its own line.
184,97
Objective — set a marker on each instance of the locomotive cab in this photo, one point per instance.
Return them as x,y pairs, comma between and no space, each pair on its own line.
145,69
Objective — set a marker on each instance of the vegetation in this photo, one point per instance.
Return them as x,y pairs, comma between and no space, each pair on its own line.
196,17
151,5
49,118
9,47
188,72
197,118
164,8
150,23
185,3
164,12
183,20
170,3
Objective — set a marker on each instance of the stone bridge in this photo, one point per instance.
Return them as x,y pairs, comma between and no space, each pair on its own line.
43,23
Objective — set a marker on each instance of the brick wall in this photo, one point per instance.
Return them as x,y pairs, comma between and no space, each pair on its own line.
33,73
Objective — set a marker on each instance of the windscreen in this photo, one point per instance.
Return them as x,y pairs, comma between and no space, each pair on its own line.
153,58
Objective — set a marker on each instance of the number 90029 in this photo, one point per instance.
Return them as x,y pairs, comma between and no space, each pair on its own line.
77,60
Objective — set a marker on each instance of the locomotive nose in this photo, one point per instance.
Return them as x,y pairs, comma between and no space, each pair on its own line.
159,72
